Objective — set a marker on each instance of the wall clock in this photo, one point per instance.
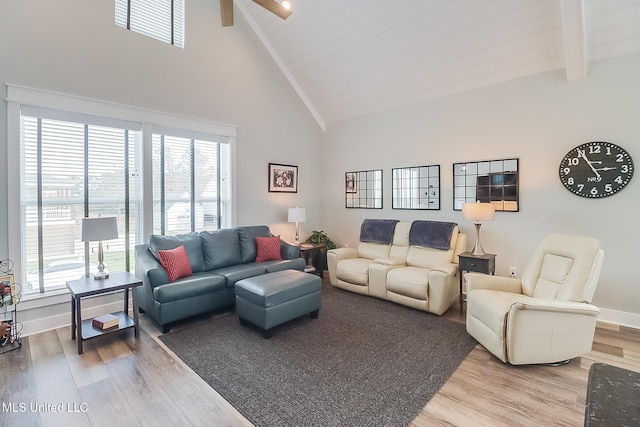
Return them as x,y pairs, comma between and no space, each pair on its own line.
596,169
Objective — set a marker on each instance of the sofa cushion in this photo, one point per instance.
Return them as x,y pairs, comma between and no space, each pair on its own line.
409,281
284,264
221,248
176,263
354,270
428,257
199,284
248,236
192,245
233,273
268,248
373,250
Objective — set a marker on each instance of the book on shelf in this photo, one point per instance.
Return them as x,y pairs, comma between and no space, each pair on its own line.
7,290
105,321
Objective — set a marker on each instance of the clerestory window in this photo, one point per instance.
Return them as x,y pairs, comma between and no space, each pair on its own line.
160,19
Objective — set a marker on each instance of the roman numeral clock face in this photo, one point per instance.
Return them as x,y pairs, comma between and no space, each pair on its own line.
596,169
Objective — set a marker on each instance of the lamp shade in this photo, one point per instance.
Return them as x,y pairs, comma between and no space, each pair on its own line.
98,229
297,214
478,211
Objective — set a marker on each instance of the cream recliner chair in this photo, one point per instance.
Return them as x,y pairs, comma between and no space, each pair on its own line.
545,317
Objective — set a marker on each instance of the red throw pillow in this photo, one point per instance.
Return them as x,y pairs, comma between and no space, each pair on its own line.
176,263
268,248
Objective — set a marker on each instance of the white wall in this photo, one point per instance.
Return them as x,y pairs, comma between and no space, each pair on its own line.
536,119
222,75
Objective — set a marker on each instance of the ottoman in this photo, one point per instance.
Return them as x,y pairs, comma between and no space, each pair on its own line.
274,298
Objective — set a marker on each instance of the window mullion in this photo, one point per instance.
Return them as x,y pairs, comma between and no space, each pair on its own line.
193,184
39,204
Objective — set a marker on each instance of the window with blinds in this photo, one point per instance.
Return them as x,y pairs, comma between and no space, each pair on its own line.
192,189
71,170
160,19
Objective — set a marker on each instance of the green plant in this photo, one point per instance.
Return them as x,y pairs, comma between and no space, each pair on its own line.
321,237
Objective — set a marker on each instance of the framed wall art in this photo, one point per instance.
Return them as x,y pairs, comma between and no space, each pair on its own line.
416,187
283,178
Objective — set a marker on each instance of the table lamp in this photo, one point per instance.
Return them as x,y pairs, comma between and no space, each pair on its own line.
478,212
297,215
97,230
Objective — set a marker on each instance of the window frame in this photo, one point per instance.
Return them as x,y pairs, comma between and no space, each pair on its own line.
19,97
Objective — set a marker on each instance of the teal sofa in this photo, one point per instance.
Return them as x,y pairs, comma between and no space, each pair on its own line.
218,260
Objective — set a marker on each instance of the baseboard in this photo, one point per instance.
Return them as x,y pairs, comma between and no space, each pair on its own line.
622,318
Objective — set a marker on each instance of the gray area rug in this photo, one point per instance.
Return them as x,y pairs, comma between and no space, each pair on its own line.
363,362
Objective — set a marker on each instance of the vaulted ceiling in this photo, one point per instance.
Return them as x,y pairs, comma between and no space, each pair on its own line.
347,58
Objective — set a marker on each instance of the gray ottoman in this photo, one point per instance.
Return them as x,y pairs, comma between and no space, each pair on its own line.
272,299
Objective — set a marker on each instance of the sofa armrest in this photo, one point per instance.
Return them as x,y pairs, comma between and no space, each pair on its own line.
289,251
149,269
444,287
336,255
496,283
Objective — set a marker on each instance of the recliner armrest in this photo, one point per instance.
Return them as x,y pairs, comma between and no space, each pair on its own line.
446,268
556,306
496,283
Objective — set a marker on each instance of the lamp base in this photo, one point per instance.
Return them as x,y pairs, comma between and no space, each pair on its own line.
477,249
101,275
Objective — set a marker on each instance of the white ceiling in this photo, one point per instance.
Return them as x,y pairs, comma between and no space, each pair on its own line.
347,58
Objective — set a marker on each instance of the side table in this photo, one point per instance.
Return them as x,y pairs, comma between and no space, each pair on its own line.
467,261
313,254
88,286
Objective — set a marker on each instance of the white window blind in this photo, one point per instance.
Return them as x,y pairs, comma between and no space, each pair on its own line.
191,188
160,19
71,170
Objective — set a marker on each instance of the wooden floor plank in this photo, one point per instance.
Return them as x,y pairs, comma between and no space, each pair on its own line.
102,400
55,386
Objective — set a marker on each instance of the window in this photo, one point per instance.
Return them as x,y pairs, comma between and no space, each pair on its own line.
191,185
160,19
74,169
72,157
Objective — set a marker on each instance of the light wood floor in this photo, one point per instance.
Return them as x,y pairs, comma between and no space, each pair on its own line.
124,381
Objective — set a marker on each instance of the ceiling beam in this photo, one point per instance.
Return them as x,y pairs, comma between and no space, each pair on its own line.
575,51
280,63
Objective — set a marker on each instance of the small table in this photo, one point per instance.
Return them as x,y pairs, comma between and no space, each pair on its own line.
89,286
467,261
314,251
613,397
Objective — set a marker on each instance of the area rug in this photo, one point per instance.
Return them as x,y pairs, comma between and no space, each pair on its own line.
362,362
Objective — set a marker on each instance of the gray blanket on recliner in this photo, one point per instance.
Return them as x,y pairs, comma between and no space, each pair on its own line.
378,230
432,234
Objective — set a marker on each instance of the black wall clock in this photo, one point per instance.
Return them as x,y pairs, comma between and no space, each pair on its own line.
596,169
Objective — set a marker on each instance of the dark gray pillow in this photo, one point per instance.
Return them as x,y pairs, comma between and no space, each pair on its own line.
248,236
221,248
192,245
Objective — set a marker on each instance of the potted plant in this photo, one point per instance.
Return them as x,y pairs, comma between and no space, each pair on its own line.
321,237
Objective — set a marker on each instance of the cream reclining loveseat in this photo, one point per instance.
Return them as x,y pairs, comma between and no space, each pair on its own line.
414,264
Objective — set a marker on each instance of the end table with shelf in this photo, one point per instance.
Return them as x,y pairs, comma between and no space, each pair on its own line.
314,255
469,262
83,330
